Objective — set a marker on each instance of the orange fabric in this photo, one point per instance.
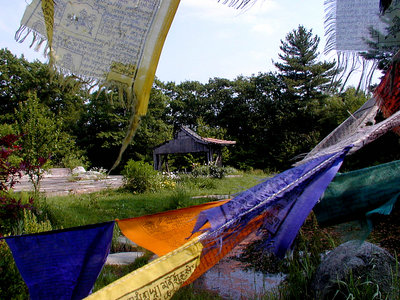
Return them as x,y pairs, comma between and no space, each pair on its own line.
163,232
213,252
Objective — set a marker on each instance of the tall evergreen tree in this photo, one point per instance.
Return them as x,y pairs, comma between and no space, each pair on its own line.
306,82
306,79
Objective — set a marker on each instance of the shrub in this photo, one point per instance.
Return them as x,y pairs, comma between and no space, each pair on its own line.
217,172
11,211
231,171
200,171
74,159
190,182
140,177
30,224
11,284
210,170
10,208
9,172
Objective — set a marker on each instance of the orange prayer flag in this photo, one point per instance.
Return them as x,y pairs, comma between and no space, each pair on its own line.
163,232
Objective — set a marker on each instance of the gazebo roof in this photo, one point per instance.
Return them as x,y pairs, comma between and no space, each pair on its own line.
207,140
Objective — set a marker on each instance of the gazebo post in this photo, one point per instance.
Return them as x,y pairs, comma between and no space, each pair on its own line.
218,160
156,162
166,163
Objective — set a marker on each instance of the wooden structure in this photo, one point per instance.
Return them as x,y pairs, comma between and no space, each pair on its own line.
187,141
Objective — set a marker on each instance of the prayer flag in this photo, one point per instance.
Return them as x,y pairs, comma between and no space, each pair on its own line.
353,27
362,117
387,93
360,137
159,279
349,23
163,232
353,194
282,240
115,43
280,205
62,264
257,199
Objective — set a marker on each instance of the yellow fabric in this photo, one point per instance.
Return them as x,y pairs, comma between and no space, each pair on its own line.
48,13
151,53
118,43
160,279
163,232
147,68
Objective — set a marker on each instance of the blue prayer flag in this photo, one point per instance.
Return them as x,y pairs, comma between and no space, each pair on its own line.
62,264
283,201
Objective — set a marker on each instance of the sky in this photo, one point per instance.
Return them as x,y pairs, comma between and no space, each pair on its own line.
208,39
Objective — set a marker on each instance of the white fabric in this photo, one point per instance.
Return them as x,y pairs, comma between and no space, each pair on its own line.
91,36
348,24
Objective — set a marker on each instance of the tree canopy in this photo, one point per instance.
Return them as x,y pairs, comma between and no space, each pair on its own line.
273,116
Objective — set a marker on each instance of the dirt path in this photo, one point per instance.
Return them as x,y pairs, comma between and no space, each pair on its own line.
59,182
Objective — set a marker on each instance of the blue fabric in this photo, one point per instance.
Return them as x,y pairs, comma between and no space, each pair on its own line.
284,201
62,264
301,208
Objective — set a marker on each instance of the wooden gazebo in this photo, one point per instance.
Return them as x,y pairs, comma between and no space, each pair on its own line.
187,141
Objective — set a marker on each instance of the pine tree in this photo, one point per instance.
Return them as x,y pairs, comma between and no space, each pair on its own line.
305,78
305,85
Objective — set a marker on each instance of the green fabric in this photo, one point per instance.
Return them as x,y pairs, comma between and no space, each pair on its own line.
386,208
353,195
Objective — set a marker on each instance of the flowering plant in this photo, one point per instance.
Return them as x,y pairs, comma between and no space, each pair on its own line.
9,174
11,209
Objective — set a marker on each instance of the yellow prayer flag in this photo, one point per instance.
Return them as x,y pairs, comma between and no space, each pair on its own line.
116,43
159,279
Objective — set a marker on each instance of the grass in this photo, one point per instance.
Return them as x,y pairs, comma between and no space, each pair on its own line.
76,210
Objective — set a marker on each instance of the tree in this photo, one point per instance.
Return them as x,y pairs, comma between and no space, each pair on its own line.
63,95
188,100
306,83
383,45
42,138
305,78
104,124
338,108
60,98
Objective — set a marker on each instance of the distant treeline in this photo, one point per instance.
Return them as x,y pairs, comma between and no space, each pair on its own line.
272,116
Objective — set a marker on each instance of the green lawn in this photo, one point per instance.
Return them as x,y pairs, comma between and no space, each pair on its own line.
77,210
